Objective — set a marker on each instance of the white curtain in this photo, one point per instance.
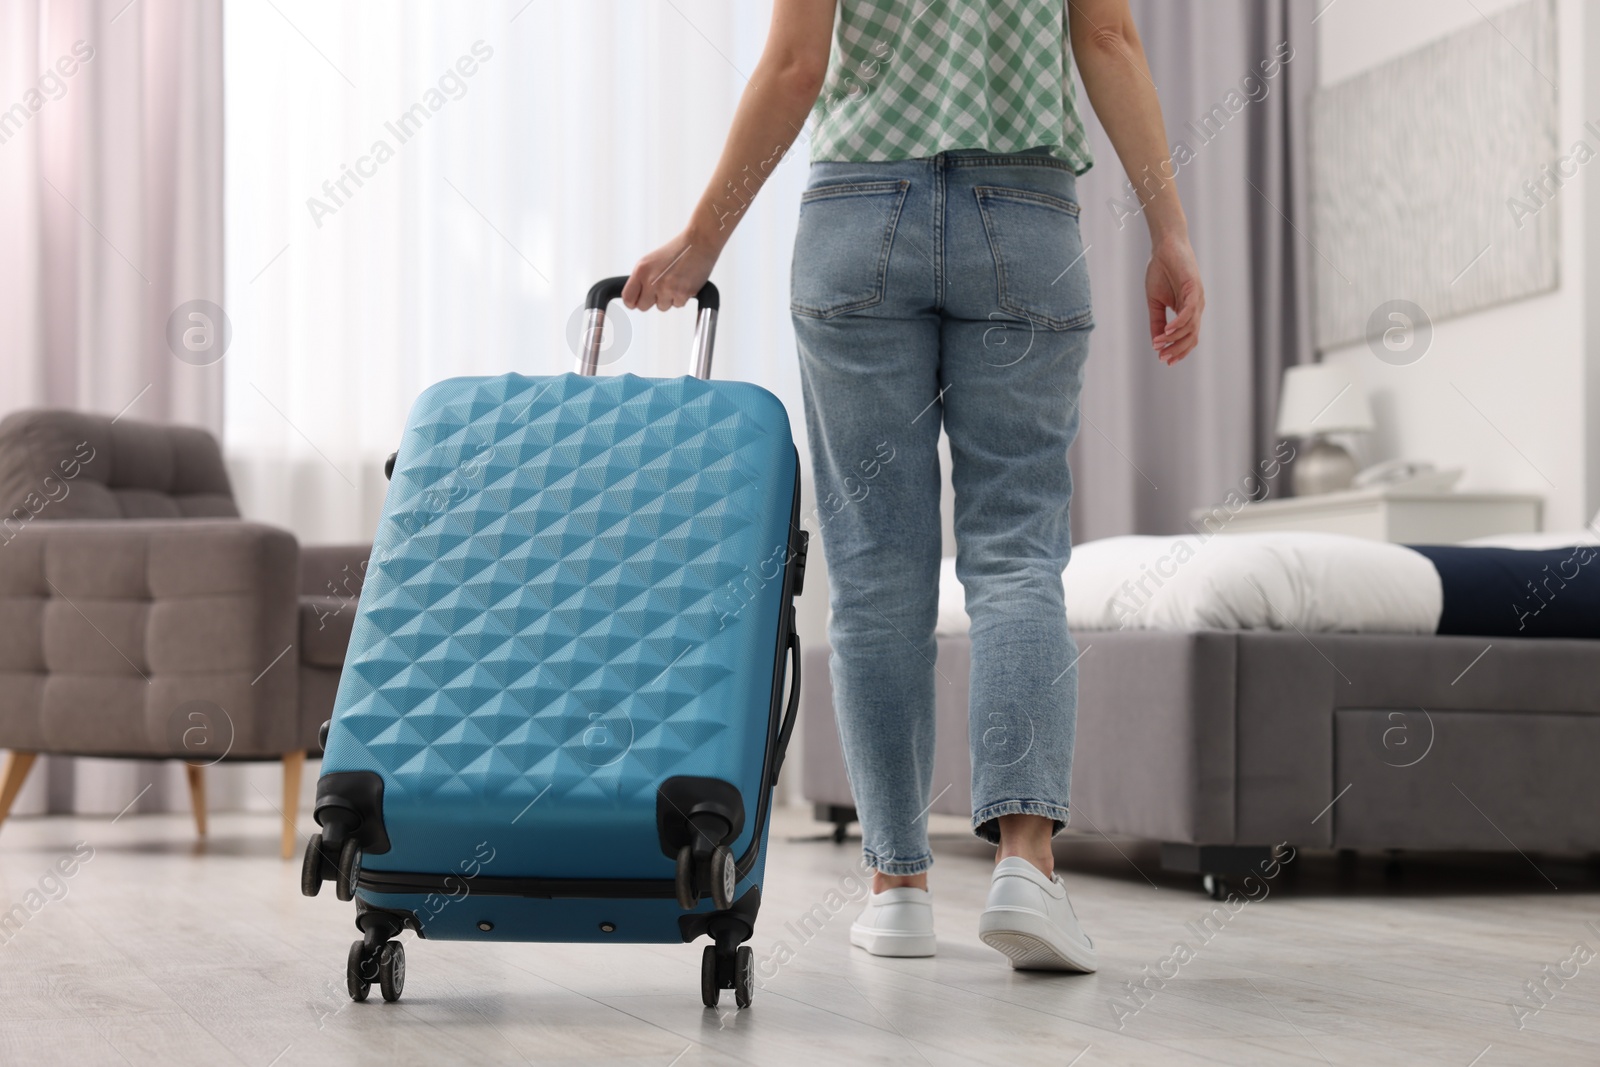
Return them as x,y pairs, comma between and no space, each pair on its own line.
110,203
110,218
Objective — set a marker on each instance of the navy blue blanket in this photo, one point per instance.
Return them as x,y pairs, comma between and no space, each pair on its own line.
1507,592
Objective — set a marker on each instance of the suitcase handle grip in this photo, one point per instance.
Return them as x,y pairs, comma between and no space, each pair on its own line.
707,303
608,289
791,714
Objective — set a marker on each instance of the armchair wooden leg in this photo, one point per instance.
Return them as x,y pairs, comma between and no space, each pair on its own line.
18,764
197,796
293,762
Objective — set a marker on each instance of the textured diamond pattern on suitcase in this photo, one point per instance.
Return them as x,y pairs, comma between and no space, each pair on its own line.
565,600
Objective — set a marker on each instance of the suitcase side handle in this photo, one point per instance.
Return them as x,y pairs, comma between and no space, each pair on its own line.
707,303
792,712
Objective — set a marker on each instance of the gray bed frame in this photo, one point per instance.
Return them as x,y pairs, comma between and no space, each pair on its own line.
1223,744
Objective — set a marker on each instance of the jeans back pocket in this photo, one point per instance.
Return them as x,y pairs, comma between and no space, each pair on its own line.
1038,256
841,248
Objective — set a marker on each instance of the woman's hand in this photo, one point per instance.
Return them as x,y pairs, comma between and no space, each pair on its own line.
1116,78
670,276
1173,281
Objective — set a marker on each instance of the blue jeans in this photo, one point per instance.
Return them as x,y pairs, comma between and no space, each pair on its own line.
953,290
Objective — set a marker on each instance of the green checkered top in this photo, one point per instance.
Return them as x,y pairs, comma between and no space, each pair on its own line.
911,78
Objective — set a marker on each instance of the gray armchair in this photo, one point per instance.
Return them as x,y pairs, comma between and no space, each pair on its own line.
140,617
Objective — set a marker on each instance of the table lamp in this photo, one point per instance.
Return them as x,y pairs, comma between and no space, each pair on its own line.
1319,399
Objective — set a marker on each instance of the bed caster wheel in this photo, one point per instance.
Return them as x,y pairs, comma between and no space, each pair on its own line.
316,868
744,976
358,972
683,882
349,871
1349,864
392,971
1215,886
710,988
1289,861
724,878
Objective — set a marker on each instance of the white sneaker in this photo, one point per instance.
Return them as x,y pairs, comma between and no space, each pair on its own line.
1030,919
896,922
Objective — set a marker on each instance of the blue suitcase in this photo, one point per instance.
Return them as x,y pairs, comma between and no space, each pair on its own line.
574,670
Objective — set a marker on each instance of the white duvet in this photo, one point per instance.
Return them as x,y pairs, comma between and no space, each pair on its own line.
1269,581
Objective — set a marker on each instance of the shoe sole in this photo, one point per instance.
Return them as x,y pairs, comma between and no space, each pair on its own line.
892,943
1032,942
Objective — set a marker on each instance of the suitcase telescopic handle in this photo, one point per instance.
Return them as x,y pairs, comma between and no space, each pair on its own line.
707,302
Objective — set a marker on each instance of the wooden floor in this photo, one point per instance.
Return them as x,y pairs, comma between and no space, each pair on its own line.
162,954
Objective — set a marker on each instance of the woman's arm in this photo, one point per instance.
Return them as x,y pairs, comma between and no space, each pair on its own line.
1117,80
770,116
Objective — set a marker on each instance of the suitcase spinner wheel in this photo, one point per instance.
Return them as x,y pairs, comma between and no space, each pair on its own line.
392,970
684,885
710,819
731,969
723,873
710,987
724,877
385,965
744,977
359,971
316,868
349,870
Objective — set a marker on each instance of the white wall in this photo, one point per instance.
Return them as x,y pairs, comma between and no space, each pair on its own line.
1528,367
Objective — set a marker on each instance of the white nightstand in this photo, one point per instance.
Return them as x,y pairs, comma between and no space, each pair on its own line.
1384,515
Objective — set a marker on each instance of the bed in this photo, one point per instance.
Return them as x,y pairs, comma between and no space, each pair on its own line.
1284,722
